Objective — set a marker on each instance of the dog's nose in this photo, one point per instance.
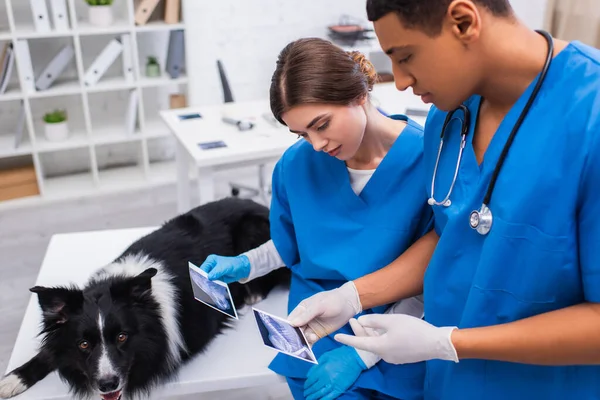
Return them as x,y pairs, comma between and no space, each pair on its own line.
108,384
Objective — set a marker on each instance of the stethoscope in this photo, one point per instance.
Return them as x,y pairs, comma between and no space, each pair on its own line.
481,220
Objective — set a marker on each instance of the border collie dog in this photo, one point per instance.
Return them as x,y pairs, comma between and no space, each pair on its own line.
136,320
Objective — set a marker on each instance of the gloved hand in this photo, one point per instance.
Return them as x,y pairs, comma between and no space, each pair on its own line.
326,312
401,339
226,269
337,370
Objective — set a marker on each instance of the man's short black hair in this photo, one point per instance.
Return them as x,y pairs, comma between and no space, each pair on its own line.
427,14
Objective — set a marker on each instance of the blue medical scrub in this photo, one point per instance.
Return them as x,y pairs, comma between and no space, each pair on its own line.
327,236
540,254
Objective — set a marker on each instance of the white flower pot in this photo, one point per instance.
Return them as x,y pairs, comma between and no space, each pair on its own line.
100,15
56,132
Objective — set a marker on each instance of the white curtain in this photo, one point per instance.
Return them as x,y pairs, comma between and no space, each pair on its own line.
574,20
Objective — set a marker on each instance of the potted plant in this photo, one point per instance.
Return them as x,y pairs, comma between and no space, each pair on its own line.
100,12
152,67
55,125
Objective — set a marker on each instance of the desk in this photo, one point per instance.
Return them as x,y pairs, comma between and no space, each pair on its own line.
263,144
236,359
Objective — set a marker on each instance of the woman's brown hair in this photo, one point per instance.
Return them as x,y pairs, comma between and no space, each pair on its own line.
315,70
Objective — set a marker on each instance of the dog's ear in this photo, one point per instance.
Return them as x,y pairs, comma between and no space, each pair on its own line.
137,287
58,303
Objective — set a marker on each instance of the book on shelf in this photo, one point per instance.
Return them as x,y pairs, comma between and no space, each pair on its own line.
20,126
172,9
7,60
175,53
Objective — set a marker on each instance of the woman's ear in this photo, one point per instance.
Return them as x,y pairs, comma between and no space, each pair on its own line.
362,100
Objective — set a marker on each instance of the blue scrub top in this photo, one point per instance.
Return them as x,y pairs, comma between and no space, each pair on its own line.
327,236
540,254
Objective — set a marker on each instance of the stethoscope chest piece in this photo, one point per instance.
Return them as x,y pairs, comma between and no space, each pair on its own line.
481,220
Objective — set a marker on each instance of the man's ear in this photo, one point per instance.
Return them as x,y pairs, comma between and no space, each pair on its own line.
465,19
135,288
58,303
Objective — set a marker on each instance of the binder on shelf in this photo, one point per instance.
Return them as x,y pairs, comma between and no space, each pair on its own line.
175,54
60,15
41,19
144,10
20,127
102,62
24,65
127,58
7,61
55,67
131,118
172,8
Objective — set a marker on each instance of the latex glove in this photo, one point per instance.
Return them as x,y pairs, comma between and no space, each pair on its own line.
402,339
226,269
337,370
326,312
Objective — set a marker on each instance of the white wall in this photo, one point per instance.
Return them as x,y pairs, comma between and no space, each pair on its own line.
246,35
530,11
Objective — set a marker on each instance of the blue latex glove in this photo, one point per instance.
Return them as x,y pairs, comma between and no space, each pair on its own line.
226,269
337,370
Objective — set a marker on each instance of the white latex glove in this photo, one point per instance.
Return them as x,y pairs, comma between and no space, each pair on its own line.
326,312
368,357
401,338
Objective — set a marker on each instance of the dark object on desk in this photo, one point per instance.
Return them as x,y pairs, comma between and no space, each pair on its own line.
184,117
348,35
242,125
212,145
227,95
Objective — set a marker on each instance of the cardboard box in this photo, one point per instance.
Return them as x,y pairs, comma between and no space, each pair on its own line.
177,101
18,182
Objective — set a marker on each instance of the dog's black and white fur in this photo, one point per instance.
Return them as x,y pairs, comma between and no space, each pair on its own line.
136,320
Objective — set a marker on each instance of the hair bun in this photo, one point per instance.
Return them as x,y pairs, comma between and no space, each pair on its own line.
366,67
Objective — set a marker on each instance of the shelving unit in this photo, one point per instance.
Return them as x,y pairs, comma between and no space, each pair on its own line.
102,154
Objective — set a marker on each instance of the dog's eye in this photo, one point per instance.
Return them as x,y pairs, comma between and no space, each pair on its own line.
84,345
122,337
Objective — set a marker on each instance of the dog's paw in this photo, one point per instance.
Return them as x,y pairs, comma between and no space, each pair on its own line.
10,386
254,299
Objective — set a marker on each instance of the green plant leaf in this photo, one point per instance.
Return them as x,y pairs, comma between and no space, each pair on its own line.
55,117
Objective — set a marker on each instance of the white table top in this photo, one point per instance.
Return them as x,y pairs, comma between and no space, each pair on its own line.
235,359
264,140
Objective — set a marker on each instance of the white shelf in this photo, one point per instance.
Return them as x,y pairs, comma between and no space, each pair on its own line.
77,139
86,29
154,26
113,134
110,84
156,128
162,172
7,146
58,88
68,186
11,94
98,133
164,80
29,32
116,179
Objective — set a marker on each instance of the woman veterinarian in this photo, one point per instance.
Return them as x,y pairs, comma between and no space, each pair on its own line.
347,200
511,291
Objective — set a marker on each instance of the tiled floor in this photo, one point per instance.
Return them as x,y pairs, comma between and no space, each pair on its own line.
24,235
